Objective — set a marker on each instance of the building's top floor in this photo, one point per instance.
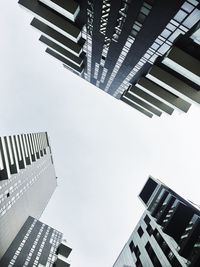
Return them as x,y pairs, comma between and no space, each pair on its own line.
19,151
154,190
168,232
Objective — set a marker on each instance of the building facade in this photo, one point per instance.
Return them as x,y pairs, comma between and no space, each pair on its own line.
27,181
145,53
168,233
36,244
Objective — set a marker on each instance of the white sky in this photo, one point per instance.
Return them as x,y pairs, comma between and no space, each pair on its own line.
103,149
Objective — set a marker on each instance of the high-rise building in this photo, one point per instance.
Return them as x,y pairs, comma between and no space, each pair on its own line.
144,52
37,244
27,181
168,233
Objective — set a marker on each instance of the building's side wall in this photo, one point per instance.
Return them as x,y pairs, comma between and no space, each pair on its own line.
25,194
130,258
36,243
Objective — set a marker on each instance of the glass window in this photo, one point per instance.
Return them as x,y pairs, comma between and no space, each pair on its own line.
166,33
136,27
134,33
132,246
145,10
175,35
141,18
155,46
192,19
187,7
147,5
171,27
147,219
180,16
149,229
193,2
140,231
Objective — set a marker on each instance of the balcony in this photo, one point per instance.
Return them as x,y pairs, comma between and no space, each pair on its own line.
60,263
190,236
158,203
53,19
177,220
63,250
167,204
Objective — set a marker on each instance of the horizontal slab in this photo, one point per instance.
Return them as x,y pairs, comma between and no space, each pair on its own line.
68,28
71,46
151,99
145,112
183,63
159,91
173,84
72,58
142,103
64,60
69,8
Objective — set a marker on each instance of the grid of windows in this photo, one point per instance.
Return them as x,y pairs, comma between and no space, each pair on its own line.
19,151
36,243
117,31
11,194
122,56
104,16
151,244
96,70
106,46
103,76
144,12
121,19
184,20
22,244
118,27
55,240
88,34
97,83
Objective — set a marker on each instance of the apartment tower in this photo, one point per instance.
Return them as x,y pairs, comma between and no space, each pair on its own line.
37,245
168,233
27,181
145,52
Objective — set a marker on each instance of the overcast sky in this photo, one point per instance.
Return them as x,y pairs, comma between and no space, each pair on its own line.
103,149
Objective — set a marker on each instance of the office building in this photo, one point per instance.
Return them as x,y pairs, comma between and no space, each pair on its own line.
168,233
145,52
27,181
37,244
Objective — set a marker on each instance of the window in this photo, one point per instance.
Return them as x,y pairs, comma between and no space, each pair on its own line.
140,231
132,246
149,230
147,219
141,18
138,263
137,252
152,255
